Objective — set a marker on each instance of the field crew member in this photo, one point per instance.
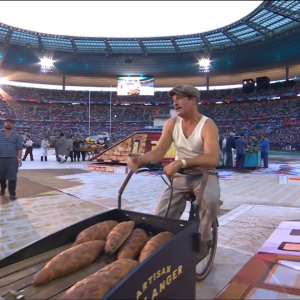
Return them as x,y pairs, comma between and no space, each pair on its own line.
44,149
10,158
28,144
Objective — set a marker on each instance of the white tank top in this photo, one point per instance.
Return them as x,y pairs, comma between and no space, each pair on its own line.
188,147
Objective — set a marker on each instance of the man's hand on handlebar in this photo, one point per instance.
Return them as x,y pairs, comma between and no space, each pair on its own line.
133,163
171,169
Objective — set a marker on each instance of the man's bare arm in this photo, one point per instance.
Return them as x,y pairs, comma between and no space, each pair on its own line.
19,154
162,146
210,158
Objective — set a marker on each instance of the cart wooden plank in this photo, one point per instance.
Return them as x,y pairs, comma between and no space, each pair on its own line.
60,285
20,279
57,296
16,280
31,261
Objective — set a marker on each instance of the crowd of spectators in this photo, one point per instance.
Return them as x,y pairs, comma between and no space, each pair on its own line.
277,117
80,113
68,95
226,111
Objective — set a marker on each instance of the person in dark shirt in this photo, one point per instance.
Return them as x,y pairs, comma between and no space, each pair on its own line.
76,153
264,145
82,145
230,144
10,158
241,146
254,141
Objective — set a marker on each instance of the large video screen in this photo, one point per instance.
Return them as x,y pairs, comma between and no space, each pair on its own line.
142,86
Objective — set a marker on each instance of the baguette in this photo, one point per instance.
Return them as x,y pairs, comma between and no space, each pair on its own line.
98,284
118,236
98,231
154,243
133,245
69,261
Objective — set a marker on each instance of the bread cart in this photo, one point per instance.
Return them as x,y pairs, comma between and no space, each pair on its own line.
166,274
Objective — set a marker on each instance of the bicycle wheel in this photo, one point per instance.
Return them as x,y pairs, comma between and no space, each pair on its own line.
207,261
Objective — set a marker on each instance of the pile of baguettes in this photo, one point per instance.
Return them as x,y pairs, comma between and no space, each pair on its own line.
109,236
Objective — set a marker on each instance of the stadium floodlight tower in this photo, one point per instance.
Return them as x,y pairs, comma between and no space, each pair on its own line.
204,65
46,65
205,68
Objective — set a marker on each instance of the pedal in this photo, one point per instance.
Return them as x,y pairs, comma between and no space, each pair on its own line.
196,241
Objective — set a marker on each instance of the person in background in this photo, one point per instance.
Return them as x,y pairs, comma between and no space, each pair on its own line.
70,148
62,148
83,145
44,148
264,145
220,141
107,143
10,158
102,142
254,141
55,148
223,144
241,146
230,144
76,146
28,144
223,148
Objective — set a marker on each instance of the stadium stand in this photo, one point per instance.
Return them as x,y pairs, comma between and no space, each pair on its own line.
42,112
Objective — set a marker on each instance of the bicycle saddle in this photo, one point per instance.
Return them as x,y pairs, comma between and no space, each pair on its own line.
189,196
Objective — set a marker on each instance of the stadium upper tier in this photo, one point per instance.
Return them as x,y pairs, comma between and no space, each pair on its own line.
270,19
82,97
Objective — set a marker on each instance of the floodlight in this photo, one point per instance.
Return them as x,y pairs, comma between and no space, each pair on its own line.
204,62
46,65
204,65
46,62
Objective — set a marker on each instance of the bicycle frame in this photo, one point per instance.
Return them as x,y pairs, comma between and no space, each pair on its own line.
193,217
122,188
128,177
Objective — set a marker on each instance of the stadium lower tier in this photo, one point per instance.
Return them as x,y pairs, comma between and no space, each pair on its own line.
280,133
274,108
278,119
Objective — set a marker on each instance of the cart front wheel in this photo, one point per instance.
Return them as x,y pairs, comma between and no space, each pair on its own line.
204,266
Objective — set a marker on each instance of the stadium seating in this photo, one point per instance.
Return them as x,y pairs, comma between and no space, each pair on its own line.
278,118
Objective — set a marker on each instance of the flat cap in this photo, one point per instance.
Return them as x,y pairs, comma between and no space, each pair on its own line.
8,120
185,90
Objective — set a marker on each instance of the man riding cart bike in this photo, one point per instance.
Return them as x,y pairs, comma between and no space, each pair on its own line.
196,139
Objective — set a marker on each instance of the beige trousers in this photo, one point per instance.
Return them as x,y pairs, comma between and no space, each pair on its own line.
209,206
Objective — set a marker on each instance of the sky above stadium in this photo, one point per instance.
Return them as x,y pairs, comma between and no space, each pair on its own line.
123,18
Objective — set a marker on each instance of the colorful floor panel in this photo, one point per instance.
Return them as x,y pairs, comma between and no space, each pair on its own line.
273,273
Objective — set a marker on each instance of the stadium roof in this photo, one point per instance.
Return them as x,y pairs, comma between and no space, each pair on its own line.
269,20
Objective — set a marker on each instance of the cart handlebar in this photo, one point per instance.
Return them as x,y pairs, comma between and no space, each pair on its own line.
152,167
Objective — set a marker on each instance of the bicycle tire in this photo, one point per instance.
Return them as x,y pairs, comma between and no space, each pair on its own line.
201,276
